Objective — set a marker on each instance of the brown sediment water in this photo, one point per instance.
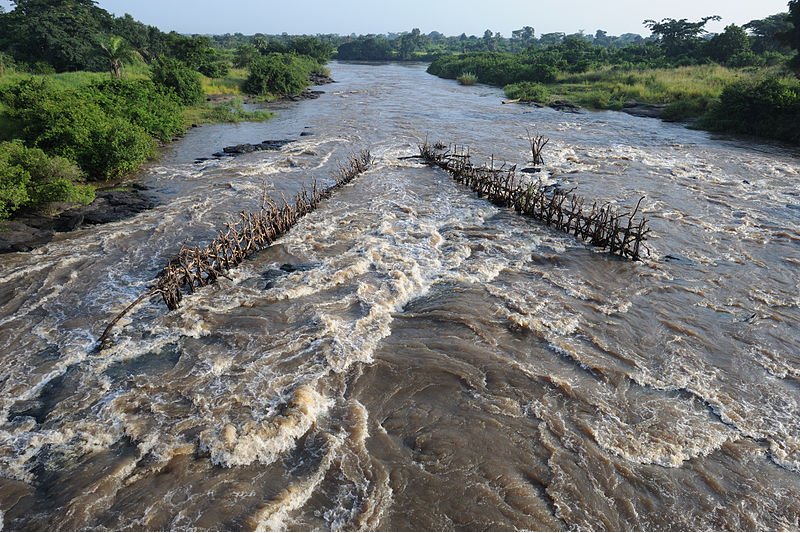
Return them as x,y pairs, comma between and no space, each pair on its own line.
408,355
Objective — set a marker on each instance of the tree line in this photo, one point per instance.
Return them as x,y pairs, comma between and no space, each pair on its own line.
57,139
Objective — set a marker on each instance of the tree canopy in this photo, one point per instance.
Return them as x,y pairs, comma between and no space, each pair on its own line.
679,37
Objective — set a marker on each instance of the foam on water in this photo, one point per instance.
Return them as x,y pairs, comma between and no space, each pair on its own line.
353,375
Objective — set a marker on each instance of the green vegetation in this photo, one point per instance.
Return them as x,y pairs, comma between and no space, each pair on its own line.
768,107
528,91
29,177
734,81
228,111
611,88
468,78
280,74
93,95
179,78
107,128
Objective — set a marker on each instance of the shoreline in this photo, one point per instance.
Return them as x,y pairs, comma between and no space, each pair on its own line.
119,199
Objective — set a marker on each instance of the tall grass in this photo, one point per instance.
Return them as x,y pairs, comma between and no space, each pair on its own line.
687,92
610,88
467,78
230,111
229,85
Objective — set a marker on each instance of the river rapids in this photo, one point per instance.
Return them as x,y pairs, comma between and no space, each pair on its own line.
410,356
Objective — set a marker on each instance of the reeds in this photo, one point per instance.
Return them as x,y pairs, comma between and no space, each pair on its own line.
193,268
599,224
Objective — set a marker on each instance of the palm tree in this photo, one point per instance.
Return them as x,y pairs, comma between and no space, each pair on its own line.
117,51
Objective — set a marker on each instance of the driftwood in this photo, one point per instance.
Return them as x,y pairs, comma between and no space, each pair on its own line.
599,224
193,268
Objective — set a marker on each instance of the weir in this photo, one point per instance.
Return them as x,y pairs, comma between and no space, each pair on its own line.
599,225
197,267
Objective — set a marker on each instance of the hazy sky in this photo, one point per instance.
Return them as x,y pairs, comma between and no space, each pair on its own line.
451,17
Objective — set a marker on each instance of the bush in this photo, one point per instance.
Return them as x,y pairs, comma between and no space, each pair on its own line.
13,186
141,103
172,75
528,92
769,108
280,74
498,68
214,69
468,78
80,124
28,177
115,146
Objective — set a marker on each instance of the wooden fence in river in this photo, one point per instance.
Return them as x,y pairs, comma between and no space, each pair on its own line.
599,224
192,268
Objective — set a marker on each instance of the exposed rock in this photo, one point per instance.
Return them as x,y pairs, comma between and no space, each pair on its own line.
111,206
29,230
16,236
320,79
567,107
306,95
246,148
639,109
273,144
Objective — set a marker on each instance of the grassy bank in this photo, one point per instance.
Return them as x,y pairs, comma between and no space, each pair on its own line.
762,101
687,91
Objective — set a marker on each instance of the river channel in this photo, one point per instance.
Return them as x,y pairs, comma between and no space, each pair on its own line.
409,356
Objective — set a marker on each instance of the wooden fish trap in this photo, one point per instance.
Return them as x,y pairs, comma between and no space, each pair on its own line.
193,268
599,225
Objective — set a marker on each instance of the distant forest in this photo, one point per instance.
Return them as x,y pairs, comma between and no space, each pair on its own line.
68,35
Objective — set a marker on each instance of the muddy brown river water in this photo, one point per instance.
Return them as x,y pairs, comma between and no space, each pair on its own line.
410,356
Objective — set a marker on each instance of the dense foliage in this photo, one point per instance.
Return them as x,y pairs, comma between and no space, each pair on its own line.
768,108
499,68
62,34
280,74
30,177
175,76
107,128
528,91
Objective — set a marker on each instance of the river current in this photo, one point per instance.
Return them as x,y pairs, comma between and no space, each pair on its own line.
410,356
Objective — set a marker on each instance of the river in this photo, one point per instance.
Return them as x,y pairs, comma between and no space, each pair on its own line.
410,356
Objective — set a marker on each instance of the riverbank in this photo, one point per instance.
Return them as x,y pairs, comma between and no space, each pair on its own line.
759,101
124,197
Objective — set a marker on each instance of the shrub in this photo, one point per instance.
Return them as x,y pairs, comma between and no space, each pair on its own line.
769,107
498,68
468,78
13,186
214,69
29,177
172,75
140,102
78,124
115,147
279,74
527,92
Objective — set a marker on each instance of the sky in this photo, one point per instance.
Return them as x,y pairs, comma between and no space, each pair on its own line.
451,17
